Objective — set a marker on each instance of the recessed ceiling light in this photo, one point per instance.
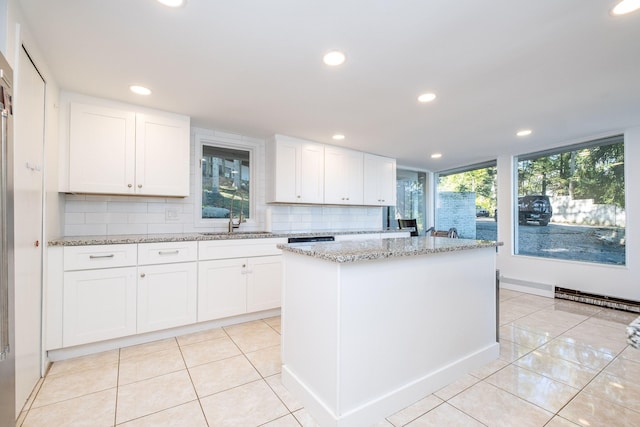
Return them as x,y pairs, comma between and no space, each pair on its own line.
334,58
427,97
524,132
625,6
338,137
172,3
436,155
140,90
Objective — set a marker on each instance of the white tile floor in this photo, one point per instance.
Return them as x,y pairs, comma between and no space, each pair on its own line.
561,364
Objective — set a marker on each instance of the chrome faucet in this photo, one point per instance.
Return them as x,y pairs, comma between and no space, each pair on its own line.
235,222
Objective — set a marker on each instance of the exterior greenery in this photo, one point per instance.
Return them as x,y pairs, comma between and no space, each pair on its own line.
583,173
225,183
586,183
481,181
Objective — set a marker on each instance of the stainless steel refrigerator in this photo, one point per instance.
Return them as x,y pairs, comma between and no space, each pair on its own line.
7,354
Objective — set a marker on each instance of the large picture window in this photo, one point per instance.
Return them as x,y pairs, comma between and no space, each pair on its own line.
571,203
466,201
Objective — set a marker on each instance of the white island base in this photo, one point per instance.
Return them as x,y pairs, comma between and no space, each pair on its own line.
363,340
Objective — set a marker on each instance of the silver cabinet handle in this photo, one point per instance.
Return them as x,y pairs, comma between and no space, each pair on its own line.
101,256
129,185
142,275
139,185
176,252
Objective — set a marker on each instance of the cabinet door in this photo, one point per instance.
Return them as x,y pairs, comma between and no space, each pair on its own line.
285,170
101,150
98,305
343,176
162,155
298,170
311,173
222,289
166,296
264,283
379,180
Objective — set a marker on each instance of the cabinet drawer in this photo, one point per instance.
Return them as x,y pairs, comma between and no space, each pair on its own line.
99,256
167,252
241,248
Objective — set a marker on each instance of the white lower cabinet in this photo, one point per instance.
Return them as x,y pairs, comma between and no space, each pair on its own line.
264,283
102,292
167,285
222,289
229,287
98,305
167,296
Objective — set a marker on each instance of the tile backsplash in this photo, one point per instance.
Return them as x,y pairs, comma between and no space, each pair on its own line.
111,215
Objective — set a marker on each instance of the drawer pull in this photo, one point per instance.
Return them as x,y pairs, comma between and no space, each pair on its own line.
176,252
101,256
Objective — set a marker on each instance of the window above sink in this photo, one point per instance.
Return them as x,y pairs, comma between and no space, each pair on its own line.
224,181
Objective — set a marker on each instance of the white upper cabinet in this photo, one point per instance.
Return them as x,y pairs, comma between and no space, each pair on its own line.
162,155
297,168
101,149
379,180
343,176
122,151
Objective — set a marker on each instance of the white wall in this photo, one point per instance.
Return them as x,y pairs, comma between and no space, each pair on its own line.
615,281
112,215
3,32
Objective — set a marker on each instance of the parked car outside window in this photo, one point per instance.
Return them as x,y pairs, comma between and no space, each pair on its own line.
534,208
480,211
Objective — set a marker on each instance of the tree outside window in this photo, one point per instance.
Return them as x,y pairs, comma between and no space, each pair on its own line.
225,182
584,188
467,201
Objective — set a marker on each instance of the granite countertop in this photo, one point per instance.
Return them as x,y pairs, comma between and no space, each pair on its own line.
365,250
188,237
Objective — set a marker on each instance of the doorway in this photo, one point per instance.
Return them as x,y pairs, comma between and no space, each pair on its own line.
28,185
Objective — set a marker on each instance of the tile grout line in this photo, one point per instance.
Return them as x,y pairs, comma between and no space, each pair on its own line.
115,410
206,420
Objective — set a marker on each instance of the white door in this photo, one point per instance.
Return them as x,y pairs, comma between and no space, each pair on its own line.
222,288
312,173
101,149
167,295
379,180
264,283
28,183
343,176
286,172
98,305
162,155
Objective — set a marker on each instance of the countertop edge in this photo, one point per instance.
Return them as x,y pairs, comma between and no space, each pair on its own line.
196,236
359,252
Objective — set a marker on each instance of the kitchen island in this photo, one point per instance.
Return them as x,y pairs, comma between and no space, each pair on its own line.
369,327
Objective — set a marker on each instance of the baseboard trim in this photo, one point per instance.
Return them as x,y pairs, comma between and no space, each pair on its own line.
527,286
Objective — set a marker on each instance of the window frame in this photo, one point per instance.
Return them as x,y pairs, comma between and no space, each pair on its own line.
454,171
202,140
424,208
597,142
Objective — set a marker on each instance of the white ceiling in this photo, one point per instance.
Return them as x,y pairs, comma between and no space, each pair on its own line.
564,68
